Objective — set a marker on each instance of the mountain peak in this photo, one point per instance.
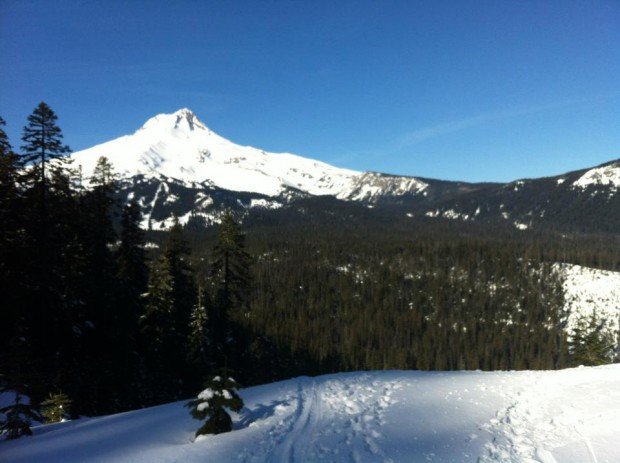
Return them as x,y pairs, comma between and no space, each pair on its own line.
183,119
186,112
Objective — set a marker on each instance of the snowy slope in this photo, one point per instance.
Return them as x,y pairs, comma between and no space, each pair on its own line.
608,175
179,147
588,290
393,416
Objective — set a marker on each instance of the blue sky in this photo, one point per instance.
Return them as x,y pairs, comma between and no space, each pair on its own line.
469,90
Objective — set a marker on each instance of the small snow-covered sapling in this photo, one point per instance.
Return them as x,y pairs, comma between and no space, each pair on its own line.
220,394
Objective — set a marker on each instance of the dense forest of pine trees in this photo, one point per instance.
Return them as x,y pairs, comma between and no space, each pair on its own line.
92,316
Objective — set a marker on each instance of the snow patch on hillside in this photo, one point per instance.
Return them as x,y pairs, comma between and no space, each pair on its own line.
608,175
265,204
448,214
390,416
587,290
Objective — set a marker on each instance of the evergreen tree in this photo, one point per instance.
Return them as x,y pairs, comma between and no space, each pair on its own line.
592,342
42,144
156,322
20,413
51,256
177,252
18,418
131,255
102,349
103,174
132,277
198,342
57,407
231,284
160,338
219,394
11,242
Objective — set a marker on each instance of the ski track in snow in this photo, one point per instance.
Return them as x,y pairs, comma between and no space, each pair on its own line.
327,417
376,417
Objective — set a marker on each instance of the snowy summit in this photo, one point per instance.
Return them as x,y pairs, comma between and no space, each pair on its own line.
179,146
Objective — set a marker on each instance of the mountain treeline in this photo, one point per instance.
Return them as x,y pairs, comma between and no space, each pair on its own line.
95,314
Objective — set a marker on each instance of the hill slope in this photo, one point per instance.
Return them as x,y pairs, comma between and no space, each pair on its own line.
391,416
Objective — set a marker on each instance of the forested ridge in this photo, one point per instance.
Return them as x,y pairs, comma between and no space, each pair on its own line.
91,311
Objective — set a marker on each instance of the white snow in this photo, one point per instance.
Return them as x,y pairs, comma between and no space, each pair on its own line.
608,175
206,394
448,214
521,226
178,146
202,406
587,290
391,416
265,204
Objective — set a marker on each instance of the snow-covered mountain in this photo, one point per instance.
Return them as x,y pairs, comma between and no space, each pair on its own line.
174,164
390,416
180,148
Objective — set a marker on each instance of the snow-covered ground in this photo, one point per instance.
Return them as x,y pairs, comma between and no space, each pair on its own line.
393,416
588,290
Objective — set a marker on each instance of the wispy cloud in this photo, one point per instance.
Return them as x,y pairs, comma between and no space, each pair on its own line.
424,133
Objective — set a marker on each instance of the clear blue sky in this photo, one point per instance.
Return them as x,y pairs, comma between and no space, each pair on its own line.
471,90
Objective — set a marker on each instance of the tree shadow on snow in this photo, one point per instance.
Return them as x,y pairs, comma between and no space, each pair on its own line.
249,416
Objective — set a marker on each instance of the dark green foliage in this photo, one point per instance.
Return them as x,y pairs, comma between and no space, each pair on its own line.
11,241
42,145
199,342
165,323
159,336
42,137
592,342
177,252
131,255
425,305
56,407
103,175
230,279
98,289
18,418
220,393
131,283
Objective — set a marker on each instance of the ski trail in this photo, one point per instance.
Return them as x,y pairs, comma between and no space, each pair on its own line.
295,442
588,445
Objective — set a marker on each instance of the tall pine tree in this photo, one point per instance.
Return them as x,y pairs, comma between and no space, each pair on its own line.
160,338
132,277
42,144
231,284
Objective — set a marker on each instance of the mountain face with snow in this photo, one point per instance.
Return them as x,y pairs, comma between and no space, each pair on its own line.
179,148
174,164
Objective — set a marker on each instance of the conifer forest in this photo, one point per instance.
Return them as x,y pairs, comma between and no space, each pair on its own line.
112,317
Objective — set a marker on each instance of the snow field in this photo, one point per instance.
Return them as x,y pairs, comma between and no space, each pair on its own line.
392,416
